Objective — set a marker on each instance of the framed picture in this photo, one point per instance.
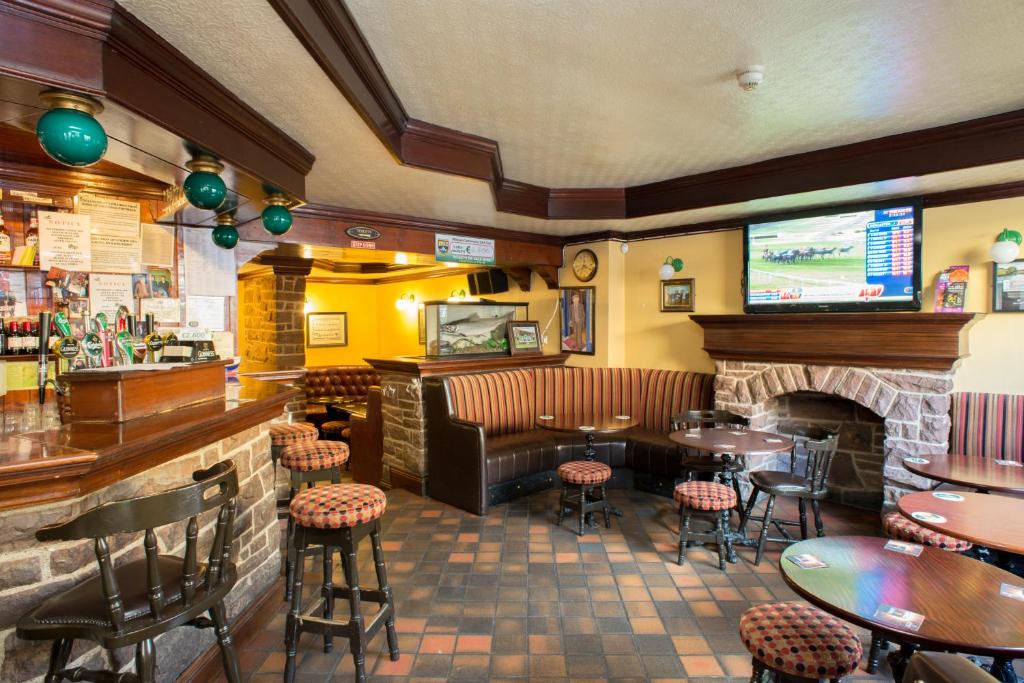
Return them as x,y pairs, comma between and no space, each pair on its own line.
523,337
677,295
1008,287
326,329
577,319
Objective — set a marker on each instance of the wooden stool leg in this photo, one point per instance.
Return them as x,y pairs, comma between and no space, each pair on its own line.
385,588
764,529
59,654
289,564
327,594
561,505
607,509
874,652
291,628
751,502
145,661
583,501
357,637
803,518
227,648
758,671
684,533
819,526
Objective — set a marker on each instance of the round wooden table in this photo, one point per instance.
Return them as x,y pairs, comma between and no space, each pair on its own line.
588,425
984,474
988,520
728,441
959,597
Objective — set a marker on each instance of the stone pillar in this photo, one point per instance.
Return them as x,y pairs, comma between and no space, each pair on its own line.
405,431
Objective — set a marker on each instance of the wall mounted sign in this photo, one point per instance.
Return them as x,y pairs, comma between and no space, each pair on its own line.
326,329
64,241
363,233
1008,287
359,244
460,249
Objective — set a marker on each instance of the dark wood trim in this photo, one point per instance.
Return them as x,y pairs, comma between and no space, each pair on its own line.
933,341
970,195
246,626
407,481
330,34
521,276
69,182
433,367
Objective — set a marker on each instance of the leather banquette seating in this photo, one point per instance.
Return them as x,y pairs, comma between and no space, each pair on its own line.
483,447
337,380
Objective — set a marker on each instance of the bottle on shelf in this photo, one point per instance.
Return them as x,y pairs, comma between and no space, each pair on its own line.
3,338
32,236
5,243
14,339
30,331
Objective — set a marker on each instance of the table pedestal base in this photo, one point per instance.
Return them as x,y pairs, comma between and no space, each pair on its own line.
589,454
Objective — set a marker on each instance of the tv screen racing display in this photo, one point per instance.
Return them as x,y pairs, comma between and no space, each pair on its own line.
864,259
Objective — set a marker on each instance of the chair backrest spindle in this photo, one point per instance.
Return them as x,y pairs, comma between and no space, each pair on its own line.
189,566
111,592
154,586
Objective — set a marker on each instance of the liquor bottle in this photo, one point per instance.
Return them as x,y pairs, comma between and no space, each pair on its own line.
5,243
14,342
32,236
3,338
31,339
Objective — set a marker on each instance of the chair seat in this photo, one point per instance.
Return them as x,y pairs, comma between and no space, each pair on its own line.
338,505
318,455
84,604
780,482
584,472
800,640
314,409
337,428
296,432
895,525
704,495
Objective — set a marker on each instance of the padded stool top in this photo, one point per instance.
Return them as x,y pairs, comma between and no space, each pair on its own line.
338,505
584,472
895,525
800,640
336,427
317,455
704,495
296,432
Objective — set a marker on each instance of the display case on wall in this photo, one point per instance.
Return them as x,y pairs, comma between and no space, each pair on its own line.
469,328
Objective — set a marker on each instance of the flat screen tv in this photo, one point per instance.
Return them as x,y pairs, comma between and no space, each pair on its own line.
857,258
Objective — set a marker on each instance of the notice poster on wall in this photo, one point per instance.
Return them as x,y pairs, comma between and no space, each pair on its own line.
166,311
209,270
107,292
158,245
207,311
64,241
114,233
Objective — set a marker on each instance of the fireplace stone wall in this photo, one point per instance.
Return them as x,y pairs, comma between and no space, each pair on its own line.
914,405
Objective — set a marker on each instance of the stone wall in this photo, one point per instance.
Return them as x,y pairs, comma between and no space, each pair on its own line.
30,571
405,427
273,335
913,403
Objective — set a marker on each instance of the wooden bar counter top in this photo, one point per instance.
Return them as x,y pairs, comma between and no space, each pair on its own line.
75,459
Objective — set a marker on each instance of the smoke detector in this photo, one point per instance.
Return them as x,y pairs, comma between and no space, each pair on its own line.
750,77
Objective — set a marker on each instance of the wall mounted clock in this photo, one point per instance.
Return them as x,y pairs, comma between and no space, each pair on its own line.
584,265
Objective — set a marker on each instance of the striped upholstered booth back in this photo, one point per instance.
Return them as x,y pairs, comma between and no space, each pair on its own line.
988,425
668,392
503,402
588,391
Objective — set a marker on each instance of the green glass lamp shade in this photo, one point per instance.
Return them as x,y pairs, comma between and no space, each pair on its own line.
71,137
277,219
205,190
225,236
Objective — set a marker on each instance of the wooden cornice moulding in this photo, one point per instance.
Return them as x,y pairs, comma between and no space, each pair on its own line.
72,181
432,367
932,341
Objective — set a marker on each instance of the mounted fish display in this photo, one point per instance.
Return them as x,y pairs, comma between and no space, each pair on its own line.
469,328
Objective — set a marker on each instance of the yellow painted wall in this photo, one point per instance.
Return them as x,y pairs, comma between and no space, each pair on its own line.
360,302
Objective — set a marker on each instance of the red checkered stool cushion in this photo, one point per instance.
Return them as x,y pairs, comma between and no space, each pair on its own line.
899,527
338,505
800,640
705,495
318,455
584,472
337,428
296,432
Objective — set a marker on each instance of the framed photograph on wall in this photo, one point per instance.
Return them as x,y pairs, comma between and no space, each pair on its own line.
577,319
1008,287
677,295
523,337
326,329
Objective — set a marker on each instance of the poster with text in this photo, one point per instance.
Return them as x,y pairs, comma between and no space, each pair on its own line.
64,241
114,233
107,292
158,245
209,270
208,311
167,311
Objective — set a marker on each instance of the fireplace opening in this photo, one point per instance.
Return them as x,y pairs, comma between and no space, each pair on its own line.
856,476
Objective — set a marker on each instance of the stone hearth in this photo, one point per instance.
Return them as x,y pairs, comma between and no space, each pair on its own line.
914,405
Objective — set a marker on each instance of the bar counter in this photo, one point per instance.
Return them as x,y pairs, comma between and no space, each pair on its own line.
51,475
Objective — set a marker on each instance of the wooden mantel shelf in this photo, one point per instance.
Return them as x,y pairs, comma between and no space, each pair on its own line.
429,367
934,341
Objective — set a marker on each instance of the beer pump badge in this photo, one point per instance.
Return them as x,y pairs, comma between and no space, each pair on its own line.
68,348
92,344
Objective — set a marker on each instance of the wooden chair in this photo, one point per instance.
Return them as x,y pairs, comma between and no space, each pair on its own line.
134,603
809,485
725,468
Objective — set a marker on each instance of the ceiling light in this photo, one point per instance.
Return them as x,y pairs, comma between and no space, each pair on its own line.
204,188
401,258
1006,248
69,132
750,78
225,235
277,219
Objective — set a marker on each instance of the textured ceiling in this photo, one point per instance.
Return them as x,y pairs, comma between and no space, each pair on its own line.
245,45
620,92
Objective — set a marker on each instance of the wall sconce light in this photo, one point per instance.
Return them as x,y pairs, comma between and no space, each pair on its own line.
670,267
401,258
204,188
306,306
69,132
1006,248
406,302
225,235
457,295
277,219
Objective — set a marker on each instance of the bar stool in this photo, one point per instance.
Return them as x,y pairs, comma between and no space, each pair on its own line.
585,475
338,517
282,436
308,462
794,639
708,500
336,430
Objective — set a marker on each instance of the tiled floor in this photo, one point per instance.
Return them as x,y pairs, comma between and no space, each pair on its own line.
511,596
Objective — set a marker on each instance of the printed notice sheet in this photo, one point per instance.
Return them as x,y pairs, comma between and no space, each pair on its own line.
64,241
107,292
209,270
163,310
115,233
208,311
158,245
